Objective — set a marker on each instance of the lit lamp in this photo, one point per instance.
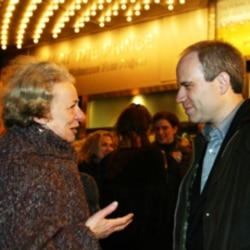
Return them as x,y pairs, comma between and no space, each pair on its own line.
170,4
62,13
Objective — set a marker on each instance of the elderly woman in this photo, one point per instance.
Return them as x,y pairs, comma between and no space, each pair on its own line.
43,205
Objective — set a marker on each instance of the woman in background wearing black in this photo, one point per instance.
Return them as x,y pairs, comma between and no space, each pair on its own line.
134,175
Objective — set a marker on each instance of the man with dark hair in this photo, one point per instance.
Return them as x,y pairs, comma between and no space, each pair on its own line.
214,199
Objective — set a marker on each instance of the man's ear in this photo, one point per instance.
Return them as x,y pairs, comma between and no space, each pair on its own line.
224,82
41,121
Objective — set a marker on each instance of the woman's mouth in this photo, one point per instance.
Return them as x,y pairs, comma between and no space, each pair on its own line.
74,130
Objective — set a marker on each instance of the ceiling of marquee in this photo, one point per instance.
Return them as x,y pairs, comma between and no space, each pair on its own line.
65,19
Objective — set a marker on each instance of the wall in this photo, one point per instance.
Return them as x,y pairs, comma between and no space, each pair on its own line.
133,57
233,23
104,112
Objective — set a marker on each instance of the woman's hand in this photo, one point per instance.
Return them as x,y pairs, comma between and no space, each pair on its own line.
103,227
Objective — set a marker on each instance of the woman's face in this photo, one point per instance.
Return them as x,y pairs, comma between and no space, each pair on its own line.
164,131
105,146
65,113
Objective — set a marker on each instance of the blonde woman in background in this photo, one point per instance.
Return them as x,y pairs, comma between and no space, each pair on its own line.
94,148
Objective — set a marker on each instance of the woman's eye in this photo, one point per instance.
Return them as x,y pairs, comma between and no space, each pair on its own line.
73,106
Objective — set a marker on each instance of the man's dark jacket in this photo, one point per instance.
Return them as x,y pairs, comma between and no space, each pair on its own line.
225,209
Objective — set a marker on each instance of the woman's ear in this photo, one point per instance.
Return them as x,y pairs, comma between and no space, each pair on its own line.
41,121
224,82
175,129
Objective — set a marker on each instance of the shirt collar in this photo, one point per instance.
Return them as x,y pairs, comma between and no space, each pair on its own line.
209,130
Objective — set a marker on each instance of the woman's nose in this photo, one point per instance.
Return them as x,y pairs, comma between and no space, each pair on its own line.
80,115
109,148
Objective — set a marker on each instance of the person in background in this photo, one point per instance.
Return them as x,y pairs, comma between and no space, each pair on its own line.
91,192
89,183
94,148
43,205
166,126
91,151
214,198
134,175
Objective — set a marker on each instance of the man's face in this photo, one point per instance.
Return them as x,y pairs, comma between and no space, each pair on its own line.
65,113
164,132
200,98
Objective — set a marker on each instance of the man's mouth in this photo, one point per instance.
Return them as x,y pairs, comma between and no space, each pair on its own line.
188,109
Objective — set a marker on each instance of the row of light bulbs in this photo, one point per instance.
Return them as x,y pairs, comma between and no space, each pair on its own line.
88,9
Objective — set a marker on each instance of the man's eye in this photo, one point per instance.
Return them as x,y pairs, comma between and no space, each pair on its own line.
188,85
